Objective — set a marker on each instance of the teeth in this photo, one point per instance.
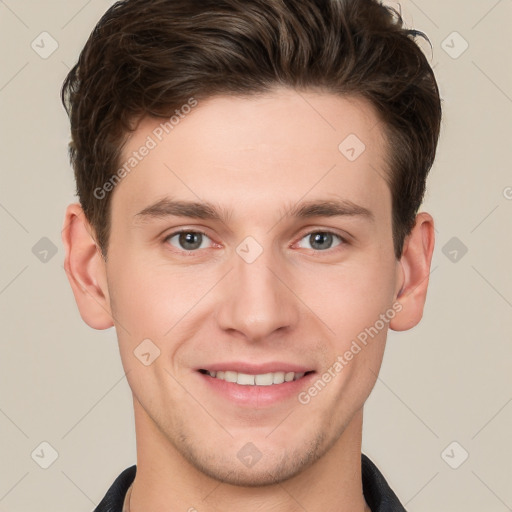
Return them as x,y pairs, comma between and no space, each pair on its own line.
278,378
230,376
245,380
265,379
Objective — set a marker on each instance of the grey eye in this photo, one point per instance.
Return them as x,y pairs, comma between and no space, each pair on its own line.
188,240
321,240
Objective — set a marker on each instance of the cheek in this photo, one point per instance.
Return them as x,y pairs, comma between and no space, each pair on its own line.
360,309
149,299
354,297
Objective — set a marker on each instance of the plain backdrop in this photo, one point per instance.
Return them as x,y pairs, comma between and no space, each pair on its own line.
445,390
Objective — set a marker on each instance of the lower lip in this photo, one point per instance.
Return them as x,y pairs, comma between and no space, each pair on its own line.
257,396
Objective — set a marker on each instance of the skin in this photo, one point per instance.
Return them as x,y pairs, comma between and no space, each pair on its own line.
256,156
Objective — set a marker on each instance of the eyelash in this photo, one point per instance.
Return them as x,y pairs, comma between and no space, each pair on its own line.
343,241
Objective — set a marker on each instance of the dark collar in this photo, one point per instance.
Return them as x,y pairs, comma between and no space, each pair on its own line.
377,493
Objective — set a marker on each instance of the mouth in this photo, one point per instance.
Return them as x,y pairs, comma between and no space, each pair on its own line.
255,385
260,379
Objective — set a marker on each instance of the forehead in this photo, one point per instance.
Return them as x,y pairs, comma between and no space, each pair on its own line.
257,152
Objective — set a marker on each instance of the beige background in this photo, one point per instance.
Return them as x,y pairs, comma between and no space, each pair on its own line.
449,379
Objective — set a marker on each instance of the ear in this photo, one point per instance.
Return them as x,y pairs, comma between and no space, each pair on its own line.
86,270
415,270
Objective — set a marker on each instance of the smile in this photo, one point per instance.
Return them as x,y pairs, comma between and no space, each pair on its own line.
262,379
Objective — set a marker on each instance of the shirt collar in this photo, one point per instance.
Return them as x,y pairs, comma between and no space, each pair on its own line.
377,493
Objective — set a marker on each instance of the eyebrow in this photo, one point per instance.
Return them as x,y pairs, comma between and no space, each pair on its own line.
168,207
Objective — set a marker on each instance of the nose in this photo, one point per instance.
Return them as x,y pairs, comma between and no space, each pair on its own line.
257,301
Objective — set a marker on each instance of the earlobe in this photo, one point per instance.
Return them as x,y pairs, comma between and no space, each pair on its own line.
85,269
415,267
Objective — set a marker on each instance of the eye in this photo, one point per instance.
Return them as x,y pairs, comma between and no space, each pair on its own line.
188,240
322,240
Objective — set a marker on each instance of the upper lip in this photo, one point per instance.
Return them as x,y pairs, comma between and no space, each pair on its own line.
256,369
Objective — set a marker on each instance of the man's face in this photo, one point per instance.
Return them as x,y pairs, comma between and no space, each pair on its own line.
261,291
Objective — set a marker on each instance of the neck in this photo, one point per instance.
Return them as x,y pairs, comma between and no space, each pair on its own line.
165,480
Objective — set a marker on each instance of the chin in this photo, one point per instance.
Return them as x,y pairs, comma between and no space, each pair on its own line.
248,467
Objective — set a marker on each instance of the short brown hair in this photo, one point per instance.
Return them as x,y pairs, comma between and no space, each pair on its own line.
149,57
